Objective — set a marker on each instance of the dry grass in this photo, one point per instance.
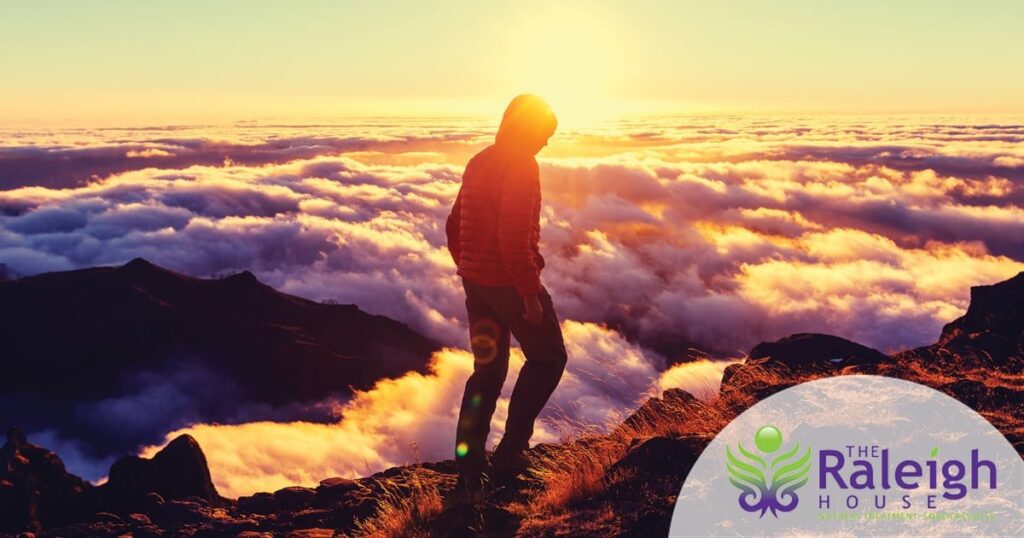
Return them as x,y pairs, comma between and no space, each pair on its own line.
572,474
579,470
569,478
403,512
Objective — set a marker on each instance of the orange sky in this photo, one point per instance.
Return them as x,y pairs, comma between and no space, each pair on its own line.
200,61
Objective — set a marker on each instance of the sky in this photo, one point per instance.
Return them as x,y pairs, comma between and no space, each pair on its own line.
121,61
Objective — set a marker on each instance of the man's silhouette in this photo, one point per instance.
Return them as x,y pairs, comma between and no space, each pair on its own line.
493,231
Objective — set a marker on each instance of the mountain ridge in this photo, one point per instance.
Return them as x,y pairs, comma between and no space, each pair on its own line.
222,350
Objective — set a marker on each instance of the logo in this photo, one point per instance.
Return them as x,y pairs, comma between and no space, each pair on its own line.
854,455
768,483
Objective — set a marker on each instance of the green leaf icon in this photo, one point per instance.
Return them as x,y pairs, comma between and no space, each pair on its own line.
935,452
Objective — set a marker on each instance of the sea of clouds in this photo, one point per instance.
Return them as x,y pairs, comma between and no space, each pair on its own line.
666,239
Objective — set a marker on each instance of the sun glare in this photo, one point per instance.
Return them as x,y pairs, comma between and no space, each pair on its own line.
570,59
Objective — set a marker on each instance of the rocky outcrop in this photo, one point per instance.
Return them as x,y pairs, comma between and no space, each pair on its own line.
806,349
769,363
673,402
36,492
994,322
178,471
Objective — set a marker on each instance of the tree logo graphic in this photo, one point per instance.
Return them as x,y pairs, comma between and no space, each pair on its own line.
768,483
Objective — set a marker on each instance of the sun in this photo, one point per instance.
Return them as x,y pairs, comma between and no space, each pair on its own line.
568,58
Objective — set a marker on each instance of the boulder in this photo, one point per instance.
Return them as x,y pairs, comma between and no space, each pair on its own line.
178,471
36,491
258,503
333,490
294,497
659,459
806,349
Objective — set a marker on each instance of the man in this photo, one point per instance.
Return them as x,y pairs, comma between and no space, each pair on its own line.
493,233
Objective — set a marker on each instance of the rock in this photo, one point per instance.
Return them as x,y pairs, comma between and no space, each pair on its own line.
360,505
994,322
294,496
174,514
178,471
310,518
333,490
152,500
815,349
36,491
311,533
95,530
674,404
659,459
140,519
771,365
106,517
258,503
336,483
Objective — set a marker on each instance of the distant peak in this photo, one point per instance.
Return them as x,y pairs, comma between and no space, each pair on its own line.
141,268
244,276
139,263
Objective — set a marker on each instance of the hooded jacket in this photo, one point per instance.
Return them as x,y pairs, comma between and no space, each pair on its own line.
494,228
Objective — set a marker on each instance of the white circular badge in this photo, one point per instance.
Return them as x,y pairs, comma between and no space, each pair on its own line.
855,456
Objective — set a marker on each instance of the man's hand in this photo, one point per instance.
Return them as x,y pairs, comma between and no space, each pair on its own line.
532,310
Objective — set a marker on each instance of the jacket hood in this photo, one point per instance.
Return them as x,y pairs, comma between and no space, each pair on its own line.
527,119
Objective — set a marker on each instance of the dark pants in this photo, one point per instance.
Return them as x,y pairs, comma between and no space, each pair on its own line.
495,314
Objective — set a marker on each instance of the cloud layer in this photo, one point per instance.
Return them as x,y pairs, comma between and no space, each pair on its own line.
663,236
716,233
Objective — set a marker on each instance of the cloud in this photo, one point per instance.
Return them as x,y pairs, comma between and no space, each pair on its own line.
412,418
659,230
76,160
143,405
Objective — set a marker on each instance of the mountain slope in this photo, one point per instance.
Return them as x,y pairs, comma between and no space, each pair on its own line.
115,357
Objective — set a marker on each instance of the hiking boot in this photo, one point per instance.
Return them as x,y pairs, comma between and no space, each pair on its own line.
470,488
506,465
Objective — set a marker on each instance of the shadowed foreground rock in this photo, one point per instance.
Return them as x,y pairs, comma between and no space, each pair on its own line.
37,492
179,471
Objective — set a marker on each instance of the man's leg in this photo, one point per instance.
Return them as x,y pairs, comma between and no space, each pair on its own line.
489,340
544,350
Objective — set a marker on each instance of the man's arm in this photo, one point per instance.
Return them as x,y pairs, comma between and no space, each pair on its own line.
453,229
519,192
